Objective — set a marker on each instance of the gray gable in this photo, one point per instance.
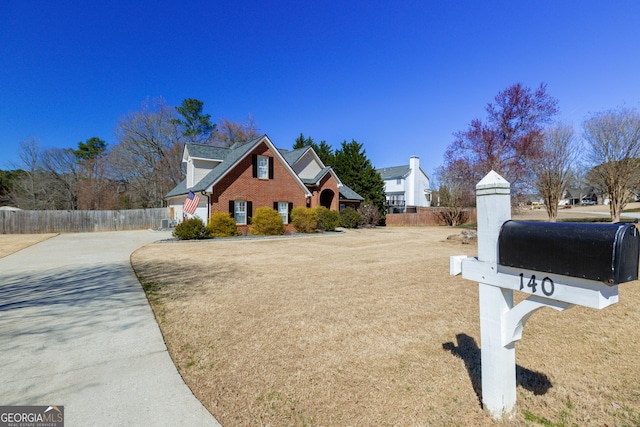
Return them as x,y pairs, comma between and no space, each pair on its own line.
292,156
394,172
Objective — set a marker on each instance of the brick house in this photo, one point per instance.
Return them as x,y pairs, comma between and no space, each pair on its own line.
241,178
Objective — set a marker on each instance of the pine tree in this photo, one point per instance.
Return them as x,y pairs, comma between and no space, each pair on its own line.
196,126
355,170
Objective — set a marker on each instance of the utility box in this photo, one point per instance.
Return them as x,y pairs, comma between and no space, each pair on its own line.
605,253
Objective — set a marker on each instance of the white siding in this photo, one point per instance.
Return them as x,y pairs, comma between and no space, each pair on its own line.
200,169
422,199
202,211
391,185
307,167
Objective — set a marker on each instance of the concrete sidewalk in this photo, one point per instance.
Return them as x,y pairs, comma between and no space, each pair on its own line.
76,330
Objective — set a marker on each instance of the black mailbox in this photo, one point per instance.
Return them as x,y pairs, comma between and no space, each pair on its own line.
604,252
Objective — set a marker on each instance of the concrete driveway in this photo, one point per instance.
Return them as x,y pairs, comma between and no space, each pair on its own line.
76,330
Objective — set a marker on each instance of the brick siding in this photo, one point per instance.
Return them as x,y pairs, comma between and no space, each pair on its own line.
328,184
239,184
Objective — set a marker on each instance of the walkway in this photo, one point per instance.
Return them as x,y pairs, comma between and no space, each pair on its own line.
76,330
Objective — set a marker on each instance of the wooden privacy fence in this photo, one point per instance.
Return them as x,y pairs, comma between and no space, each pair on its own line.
34,222
422,217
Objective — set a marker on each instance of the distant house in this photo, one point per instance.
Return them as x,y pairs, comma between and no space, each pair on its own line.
244,177
581,196
406,186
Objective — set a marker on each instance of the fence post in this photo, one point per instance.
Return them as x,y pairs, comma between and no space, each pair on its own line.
493,203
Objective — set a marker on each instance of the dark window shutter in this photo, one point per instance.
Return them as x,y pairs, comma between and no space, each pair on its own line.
290,209
254,164
249,212
275,206
232,209
270,167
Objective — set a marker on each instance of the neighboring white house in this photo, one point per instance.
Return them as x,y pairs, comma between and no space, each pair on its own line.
406,186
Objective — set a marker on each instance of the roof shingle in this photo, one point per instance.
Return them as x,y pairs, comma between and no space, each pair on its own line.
394,172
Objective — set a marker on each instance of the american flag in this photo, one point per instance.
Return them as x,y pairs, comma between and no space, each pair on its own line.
190,203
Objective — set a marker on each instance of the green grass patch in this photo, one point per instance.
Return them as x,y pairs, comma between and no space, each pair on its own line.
472,225
530,416
151,289
595,219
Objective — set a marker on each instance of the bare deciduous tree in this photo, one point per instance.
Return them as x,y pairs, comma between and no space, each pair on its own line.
613,141
148,156
510,136
229,132
29,190
454,193
554,169
61,172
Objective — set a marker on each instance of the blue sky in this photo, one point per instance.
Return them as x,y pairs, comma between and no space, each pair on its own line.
397,76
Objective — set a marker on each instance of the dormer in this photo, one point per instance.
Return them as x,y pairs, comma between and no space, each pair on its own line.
200,160
307,165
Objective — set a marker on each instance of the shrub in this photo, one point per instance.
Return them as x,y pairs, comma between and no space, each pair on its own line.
327,220
266,222
191,229
350,218
222,224
452,215
370,214
304,220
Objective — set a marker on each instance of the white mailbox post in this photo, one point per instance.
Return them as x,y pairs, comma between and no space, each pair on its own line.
501,323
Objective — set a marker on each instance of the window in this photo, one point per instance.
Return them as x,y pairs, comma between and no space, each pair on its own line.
263,167
283,210
240,213
398,181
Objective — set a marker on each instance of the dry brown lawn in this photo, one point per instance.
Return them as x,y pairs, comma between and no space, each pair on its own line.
367,328
10,243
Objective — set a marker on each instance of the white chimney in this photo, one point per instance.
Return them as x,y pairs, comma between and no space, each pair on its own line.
412,181
414,163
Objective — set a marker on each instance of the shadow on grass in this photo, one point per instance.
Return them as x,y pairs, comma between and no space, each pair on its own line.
468,350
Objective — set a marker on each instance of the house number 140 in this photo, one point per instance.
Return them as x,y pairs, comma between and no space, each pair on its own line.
547,285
